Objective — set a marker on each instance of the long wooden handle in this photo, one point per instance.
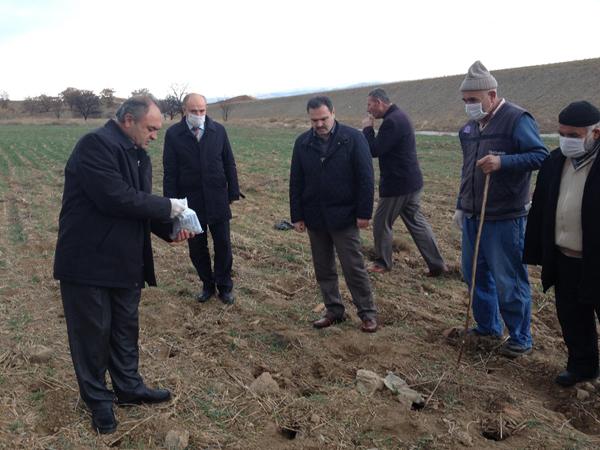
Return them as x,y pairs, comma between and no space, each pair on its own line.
474,268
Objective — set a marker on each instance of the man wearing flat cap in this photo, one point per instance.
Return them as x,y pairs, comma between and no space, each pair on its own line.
501,140
563,236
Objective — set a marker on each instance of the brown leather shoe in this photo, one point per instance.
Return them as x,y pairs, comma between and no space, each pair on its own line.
376,268
437,272
369,326
326,321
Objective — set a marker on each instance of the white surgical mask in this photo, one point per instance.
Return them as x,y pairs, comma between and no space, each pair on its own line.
475,111
572,147
196,121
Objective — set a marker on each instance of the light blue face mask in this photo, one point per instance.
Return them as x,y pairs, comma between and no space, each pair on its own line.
572,147
475,111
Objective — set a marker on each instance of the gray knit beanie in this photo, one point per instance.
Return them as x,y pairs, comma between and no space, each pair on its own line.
478,79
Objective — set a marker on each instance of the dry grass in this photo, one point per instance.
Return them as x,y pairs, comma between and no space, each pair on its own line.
208,355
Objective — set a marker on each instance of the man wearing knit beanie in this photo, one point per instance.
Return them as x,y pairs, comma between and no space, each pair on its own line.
564,216
500,140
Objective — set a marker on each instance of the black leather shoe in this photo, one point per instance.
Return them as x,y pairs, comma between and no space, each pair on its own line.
103,421
205,295
567,379
227,297
144,395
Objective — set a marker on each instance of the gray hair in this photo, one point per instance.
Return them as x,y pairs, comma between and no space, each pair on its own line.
381,95
136,106
593,127
187,97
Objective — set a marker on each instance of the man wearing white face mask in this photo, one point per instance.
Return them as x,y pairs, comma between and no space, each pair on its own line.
502,140
562,236
199,164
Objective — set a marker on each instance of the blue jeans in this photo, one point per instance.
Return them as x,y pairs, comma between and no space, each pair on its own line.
501,283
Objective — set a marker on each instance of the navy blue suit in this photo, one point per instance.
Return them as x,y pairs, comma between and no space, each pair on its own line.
204,171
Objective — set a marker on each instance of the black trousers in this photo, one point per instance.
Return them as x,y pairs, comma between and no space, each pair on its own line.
200,256
577,319
102,324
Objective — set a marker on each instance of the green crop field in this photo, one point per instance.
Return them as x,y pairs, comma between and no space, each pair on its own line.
209,354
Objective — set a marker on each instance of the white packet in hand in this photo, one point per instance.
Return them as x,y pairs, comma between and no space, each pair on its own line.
188,220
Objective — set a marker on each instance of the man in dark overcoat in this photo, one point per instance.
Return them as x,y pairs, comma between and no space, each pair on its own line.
563,236
104,256
199,164
400,185
331,196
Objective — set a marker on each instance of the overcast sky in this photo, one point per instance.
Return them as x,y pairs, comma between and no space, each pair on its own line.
224,48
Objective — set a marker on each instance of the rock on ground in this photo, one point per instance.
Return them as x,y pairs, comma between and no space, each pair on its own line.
177,439
367,382
40,354
264,385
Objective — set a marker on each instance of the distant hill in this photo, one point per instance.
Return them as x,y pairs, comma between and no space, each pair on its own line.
435,104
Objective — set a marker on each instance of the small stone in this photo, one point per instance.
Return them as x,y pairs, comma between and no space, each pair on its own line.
264,385
588,386
177,439
315,419
317,309
40,354
408,397
464,438
582,395
368,382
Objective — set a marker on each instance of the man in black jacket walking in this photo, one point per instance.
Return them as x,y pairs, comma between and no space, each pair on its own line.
199,164
400,184
331,196
104,255
562,236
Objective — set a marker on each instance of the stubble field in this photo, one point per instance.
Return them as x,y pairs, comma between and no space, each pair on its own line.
210,354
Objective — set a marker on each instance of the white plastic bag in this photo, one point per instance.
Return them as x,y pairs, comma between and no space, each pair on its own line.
187,220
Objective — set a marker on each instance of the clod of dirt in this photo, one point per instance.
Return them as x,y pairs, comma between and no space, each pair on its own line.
582,394
367,382
177,439
588,386
464,438
317,309
40,354
264,385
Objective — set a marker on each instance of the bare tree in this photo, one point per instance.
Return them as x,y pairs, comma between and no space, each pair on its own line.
87,104
44,103
170,106
107,97
4,100
140,92
30,105
56,106
178,93
226,107
69,96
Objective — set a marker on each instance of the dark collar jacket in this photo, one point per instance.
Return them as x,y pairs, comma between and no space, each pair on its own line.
330,191
539,236
395,146
204,172
107,208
